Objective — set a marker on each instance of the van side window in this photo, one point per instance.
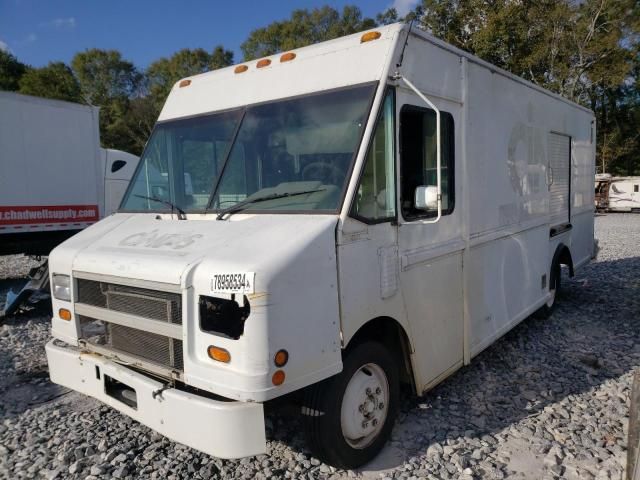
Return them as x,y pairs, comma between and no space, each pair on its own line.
635,188
418,159
376,197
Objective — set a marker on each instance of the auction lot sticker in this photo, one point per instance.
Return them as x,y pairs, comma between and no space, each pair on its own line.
235,282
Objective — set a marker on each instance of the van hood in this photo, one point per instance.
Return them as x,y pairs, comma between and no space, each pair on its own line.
143,247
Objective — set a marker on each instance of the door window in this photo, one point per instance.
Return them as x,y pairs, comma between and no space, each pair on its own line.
376,197
418,159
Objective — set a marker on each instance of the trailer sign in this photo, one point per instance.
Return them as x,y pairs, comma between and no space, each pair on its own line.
233,282
28,214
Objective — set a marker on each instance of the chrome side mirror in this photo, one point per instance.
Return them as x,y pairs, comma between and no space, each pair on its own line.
426,198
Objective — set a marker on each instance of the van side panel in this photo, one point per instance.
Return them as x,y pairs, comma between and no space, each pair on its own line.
502,221
510,182
505,278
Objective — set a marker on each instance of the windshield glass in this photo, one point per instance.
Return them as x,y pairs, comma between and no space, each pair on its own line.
299,145
293,146
191,150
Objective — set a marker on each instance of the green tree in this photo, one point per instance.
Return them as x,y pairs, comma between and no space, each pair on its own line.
11,70
104,75
304,28
165,72
110,82
524,38
605,76
158,81
585,51
137,124
390,15
56,81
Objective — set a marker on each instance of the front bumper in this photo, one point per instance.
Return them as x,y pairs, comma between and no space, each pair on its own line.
219,428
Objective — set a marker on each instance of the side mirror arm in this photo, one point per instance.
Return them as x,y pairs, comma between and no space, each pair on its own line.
438,146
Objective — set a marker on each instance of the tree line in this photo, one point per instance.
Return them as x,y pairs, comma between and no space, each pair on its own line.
586,51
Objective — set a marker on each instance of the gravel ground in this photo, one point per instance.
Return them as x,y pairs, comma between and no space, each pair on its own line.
549,400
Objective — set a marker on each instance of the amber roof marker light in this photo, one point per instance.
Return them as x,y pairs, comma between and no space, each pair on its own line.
367,37
287,57
184,83
240,69
265,62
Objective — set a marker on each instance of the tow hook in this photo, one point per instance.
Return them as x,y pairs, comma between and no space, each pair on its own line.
158,393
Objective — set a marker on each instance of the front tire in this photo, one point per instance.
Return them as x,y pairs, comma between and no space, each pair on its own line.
348,418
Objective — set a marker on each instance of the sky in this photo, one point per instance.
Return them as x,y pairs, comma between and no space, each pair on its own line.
40,31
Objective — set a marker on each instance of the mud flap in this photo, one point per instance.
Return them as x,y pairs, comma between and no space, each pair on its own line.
38,280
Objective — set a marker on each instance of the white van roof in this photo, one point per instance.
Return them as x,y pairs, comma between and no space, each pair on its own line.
323,66
336,63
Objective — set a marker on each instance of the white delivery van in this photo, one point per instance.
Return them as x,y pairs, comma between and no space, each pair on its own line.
333,221
55,179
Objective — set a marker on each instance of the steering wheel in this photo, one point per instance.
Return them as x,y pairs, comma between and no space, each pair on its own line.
314,171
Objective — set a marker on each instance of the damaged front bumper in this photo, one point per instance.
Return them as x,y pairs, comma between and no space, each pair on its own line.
225,429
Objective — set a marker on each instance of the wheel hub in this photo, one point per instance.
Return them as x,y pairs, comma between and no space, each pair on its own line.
364,406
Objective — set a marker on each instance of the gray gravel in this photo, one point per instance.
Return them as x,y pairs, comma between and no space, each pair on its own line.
549,400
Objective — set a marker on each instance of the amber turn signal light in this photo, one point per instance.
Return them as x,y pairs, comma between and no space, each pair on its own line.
281,358
367,37
278,378
265,62
240,69
287,57
64,314
184,83
219,354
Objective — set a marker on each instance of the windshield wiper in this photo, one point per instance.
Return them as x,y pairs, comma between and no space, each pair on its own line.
181,214
244,203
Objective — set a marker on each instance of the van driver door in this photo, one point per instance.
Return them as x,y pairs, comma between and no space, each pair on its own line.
367,241
430,253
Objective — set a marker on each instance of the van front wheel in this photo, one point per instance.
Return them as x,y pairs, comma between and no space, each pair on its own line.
349,417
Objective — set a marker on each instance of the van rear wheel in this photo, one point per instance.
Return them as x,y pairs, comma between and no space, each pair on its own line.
547,309
348,418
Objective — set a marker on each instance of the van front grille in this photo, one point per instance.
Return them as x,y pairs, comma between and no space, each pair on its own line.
142,302
151,347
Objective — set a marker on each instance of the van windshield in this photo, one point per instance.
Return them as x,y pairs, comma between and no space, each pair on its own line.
297,145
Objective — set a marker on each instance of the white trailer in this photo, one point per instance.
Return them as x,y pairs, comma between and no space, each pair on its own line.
617,194
327,222
55,179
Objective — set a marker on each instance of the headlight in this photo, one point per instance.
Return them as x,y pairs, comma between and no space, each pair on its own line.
61,287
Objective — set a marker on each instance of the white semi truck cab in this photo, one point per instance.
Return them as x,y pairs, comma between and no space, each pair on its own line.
333,220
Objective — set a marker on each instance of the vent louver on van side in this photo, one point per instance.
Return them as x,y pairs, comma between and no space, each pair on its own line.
559,151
